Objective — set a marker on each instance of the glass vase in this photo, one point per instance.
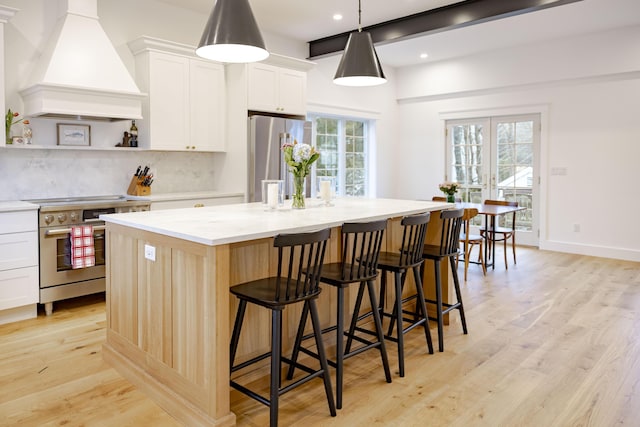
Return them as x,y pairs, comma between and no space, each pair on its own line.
451,198
299,183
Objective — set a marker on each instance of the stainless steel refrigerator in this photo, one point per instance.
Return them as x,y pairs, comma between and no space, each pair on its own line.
267,134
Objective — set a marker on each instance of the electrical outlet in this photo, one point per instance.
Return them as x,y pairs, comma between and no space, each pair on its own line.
576,228
150,252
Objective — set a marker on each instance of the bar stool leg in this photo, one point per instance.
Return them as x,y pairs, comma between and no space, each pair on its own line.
456,283
398,313
423,307
237,326
317,331
340,348
298,342
354,318
378,324
276,352
439,305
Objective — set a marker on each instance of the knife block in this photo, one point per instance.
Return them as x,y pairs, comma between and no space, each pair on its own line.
136,188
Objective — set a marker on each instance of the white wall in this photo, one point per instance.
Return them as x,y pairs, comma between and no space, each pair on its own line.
588,89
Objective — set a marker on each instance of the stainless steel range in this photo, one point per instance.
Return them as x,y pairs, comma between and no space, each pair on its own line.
58,280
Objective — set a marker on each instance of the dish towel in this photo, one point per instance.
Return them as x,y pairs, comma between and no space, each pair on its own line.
83,252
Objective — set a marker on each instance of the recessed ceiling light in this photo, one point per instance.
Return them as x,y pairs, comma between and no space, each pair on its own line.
424,56
337,17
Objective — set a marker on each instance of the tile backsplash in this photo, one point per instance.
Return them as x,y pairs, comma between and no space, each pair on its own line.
27,173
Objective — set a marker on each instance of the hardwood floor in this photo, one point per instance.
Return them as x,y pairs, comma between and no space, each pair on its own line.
553,341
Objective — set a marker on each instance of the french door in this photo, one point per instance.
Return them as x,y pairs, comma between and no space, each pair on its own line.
497,158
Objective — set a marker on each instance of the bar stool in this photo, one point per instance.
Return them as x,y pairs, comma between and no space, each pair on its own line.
296,253
409,257
361,243
448,248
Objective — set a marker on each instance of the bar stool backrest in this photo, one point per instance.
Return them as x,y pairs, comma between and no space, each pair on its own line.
415,230
300,259
451,225
361,244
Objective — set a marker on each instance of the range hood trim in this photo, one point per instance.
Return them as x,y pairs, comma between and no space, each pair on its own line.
76,102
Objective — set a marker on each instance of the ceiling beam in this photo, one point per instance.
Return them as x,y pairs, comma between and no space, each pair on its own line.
457,15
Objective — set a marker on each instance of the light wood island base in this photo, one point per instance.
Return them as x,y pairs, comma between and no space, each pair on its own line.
169,320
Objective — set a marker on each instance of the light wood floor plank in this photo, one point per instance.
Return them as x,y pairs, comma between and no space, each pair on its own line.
553,341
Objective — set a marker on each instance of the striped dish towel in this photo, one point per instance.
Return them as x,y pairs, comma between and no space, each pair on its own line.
82,250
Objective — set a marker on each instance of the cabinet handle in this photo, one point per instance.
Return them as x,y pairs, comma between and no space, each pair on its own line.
190,147
198,205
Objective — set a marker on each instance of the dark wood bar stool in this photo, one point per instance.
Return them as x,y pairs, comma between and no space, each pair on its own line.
408,257
296,253
361,243
448,248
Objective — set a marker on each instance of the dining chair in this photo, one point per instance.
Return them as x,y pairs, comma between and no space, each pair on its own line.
501,234
300,260
470,240
361,243
444,199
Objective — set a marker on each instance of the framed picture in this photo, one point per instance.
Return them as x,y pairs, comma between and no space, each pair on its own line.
74,135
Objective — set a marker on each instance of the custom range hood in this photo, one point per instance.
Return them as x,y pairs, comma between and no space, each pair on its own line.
79,74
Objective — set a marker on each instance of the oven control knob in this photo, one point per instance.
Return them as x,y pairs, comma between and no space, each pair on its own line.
48,219
73,217
62,217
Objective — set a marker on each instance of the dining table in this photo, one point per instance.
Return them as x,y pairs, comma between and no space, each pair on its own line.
490,212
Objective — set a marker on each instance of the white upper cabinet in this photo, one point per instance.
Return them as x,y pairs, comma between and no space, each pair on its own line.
277,89
185,108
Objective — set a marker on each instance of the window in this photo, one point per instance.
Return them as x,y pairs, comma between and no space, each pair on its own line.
343,146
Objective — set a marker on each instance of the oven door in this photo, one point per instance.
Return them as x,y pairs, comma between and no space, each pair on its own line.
55,257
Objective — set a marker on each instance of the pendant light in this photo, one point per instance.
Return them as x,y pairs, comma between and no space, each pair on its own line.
232,34
359,65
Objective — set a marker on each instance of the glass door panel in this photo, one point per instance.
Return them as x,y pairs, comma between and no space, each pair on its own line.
495,158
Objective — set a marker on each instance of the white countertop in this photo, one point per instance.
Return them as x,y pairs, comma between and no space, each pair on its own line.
217,225
17,205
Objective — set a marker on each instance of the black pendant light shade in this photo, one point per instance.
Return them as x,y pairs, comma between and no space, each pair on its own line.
359,65
232,34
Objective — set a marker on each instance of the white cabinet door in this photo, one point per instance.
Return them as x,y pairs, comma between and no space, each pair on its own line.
207,112
168,115
262,87
292,88
185,106
18,250
276,89
19,287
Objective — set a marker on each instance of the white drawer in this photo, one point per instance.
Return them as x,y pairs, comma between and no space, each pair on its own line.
15,222
18,250
19,287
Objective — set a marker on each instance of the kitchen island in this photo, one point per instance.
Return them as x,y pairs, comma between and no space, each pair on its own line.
169,311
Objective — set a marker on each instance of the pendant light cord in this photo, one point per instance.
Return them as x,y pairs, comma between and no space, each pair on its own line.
359,16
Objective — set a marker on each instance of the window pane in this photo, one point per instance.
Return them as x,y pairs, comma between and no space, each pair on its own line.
342,145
